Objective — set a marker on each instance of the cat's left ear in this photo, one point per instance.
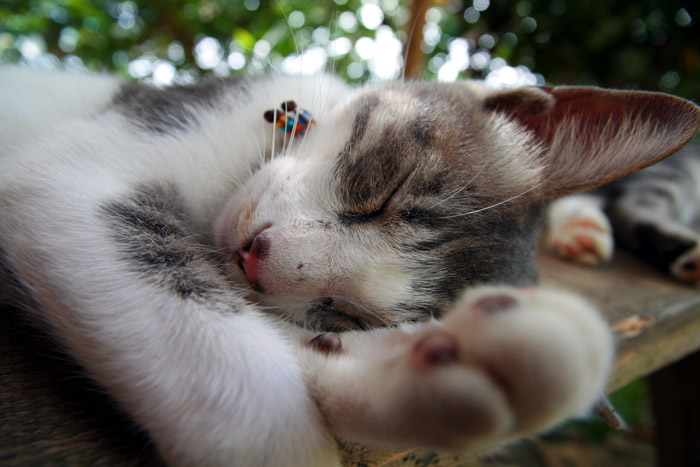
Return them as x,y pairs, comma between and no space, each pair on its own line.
591,136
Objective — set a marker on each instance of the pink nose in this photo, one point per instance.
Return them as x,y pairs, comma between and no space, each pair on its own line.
250,257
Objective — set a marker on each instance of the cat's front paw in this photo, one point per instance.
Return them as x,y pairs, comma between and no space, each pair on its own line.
579,231
506,363
687,266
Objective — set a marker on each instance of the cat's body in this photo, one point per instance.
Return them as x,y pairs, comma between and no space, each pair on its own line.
652,213
124,220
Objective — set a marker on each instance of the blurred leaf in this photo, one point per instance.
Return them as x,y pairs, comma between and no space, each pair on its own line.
645,44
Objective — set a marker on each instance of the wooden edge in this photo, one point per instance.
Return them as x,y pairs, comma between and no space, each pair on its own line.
659,345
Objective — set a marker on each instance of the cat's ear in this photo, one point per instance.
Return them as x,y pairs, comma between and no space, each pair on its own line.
591,135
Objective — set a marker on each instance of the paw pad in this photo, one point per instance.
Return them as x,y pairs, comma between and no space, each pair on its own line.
436,349
327,343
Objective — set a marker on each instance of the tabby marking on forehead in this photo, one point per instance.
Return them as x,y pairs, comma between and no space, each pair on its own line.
359,125
387,139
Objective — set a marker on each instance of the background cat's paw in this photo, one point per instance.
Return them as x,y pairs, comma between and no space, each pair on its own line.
579,231
687,266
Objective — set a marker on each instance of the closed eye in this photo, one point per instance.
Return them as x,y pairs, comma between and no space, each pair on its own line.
352,217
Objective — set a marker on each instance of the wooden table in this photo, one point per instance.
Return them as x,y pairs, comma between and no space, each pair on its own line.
51,415
657,324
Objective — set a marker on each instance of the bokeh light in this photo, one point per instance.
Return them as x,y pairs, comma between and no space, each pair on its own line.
643,44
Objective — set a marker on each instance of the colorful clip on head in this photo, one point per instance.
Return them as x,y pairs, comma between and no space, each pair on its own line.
290,118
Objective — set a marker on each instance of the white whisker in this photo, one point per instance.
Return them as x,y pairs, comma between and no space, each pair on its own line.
284,136
274,132
456,192
324,105
491,206
294,127
260,150
263,127
303,141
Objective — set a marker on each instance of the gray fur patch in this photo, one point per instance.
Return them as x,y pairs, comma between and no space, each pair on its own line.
153,238
650,209
369,171
359,126
173,108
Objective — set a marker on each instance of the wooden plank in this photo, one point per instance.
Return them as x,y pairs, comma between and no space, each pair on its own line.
627,291
48,415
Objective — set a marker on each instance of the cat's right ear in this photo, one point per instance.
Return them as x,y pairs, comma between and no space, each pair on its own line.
591,136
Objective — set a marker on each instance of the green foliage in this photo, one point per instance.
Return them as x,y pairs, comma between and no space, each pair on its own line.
108,34
644,44
632,404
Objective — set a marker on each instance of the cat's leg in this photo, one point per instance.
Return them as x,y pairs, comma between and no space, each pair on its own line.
651,213
651,233
503,364
577,229
121,285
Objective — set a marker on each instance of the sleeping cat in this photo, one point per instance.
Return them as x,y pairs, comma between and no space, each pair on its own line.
650,213
174,239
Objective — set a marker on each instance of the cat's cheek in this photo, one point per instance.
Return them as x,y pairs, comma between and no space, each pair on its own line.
385,281
228,225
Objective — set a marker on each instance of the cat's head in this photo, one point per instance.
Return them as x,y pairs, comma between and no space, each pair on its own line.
405,193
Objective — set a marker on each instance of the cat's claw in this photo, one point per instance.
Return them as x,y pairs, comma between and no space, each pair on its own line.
579,231
687,266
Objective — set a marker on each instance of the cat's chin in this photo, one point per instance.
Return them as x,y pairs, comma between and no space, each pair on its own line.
323,314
